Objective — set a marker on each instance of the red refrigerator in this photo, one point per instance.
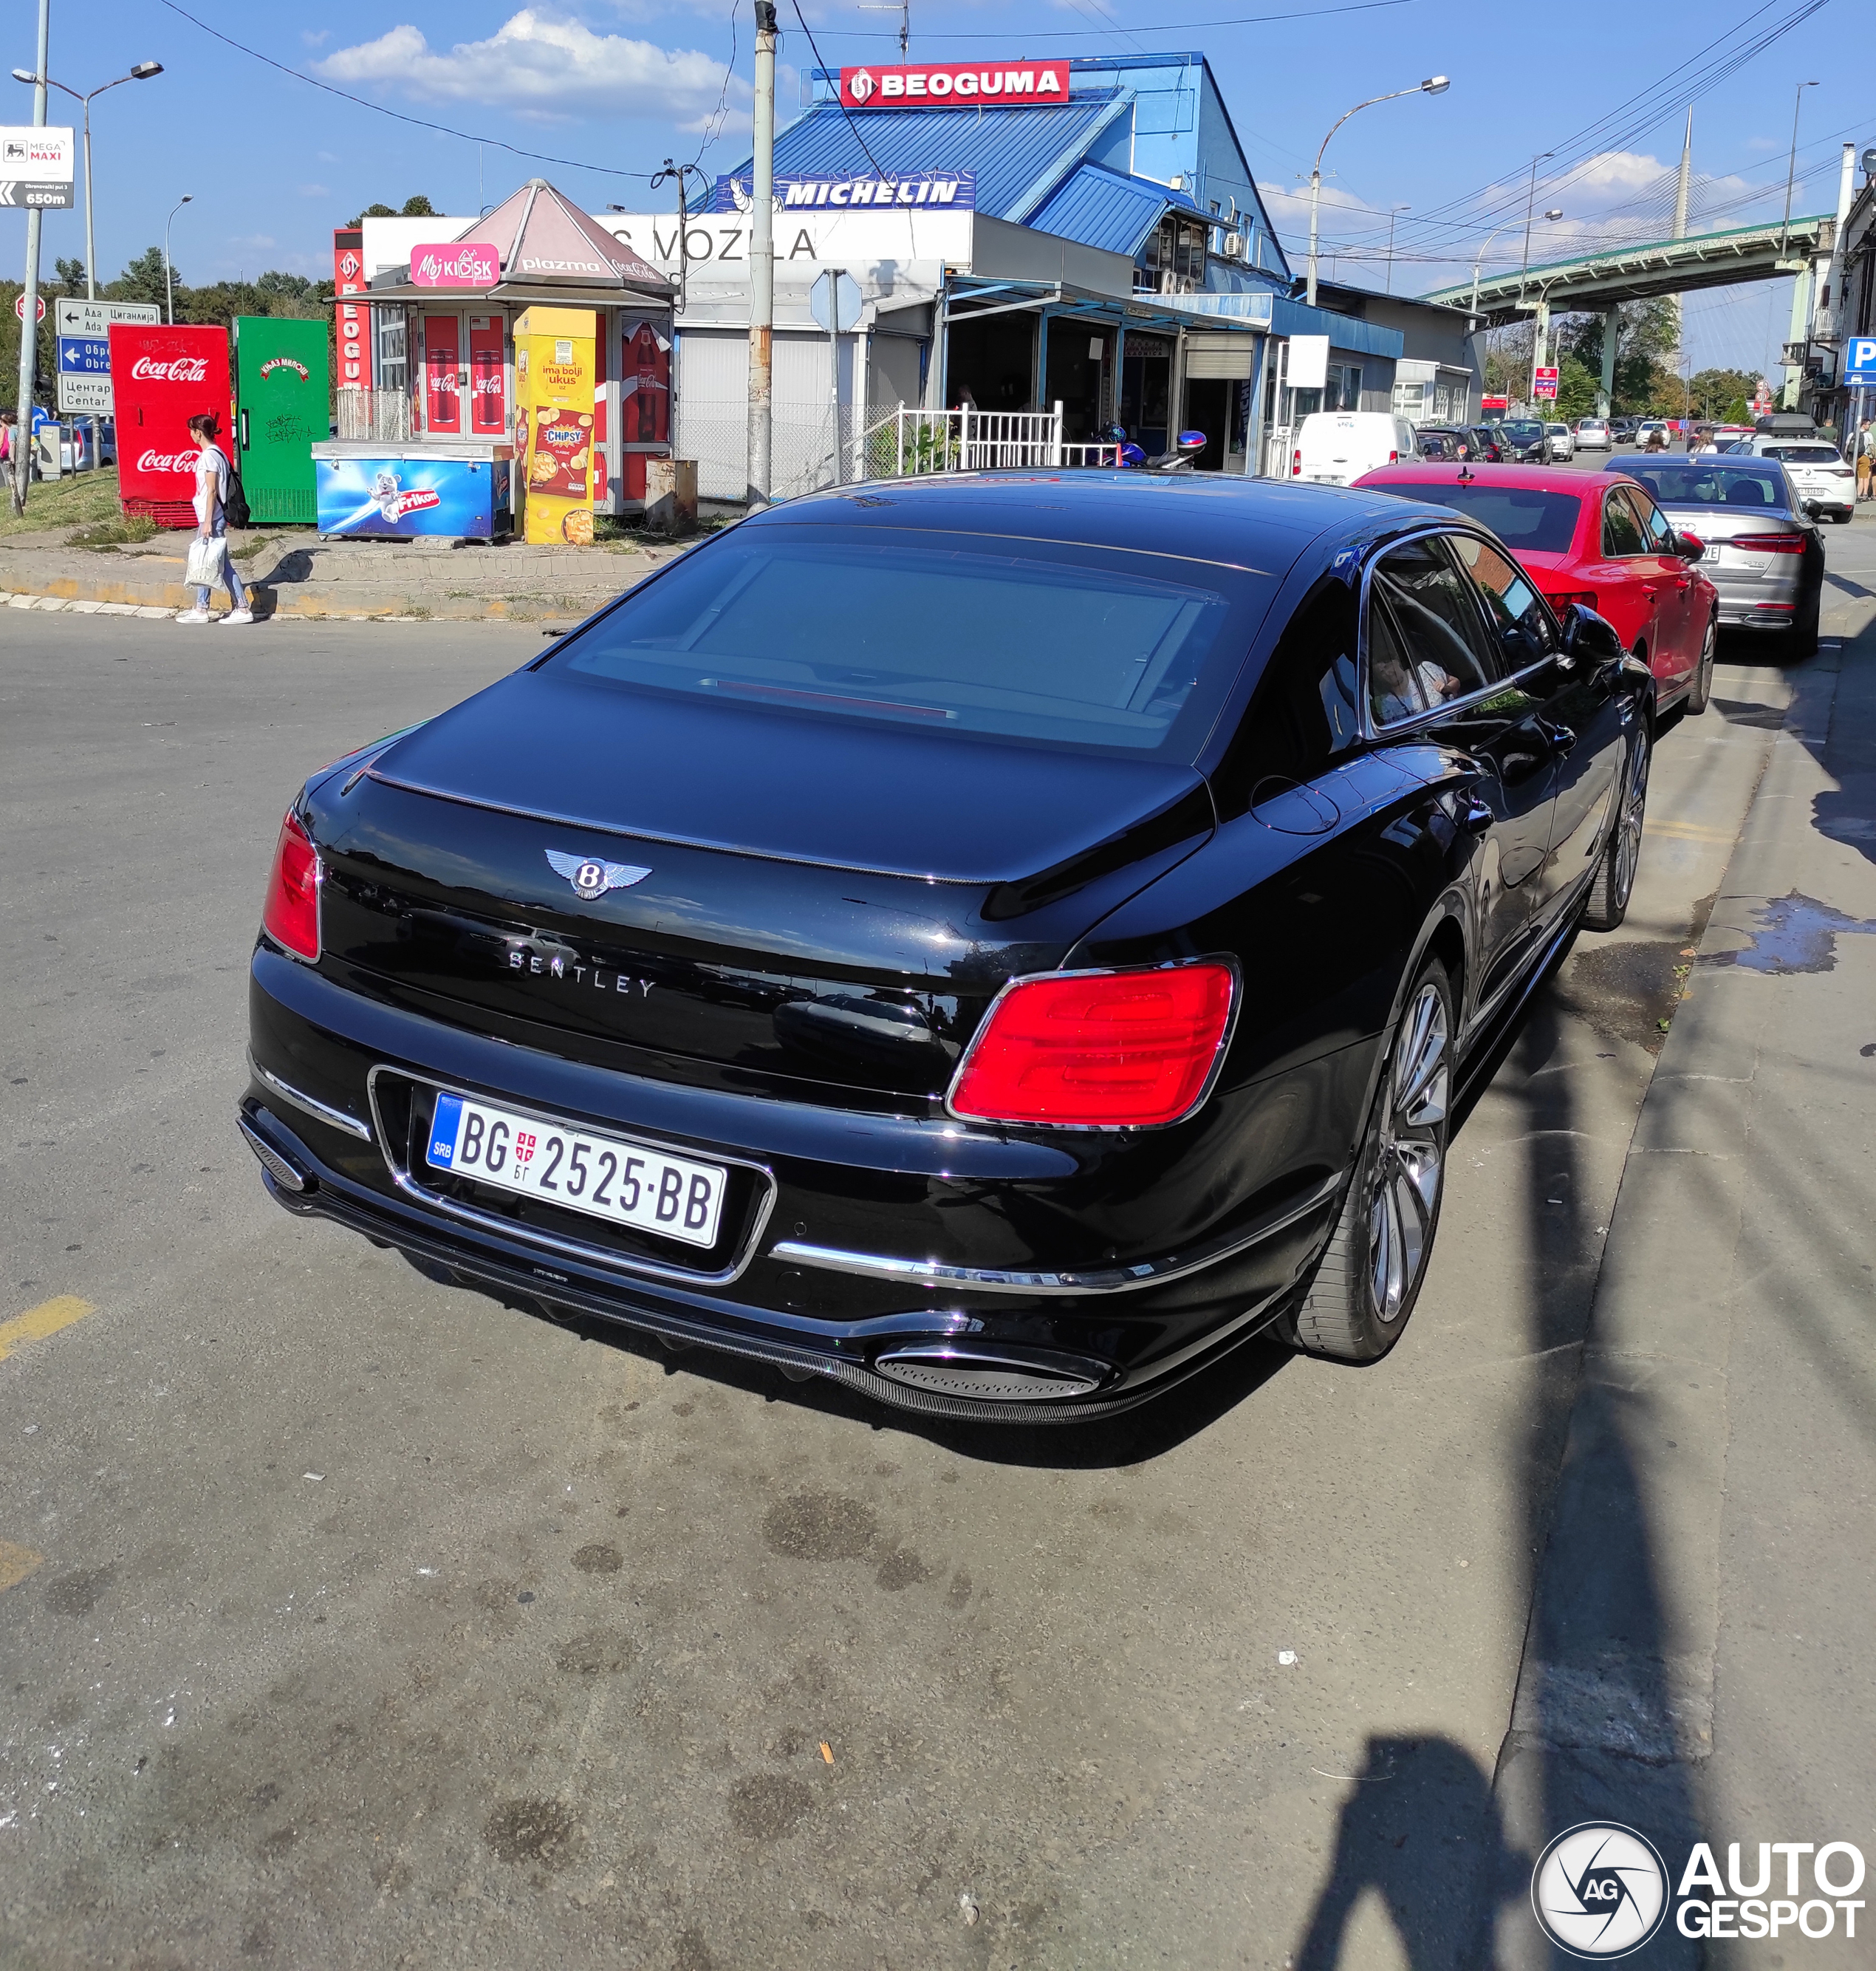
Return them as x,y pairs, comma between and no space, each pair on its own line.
160,379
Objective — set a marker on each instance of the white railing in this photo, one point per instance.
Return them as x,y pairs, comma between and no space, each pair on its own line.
379,417
909,441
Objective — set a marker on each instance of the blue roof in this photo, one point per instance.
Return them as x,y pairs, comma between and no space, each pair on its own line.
1010,150
1097,207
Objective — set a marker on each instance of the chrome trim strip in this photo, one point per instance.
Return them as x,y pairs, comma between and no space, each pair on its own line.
674,841
322,1111
573,1249
975,1280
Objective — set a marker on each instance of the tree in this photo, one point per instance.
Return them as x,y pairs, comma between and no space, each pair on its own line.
1645,332
416,207
71,277
143,279
1715,392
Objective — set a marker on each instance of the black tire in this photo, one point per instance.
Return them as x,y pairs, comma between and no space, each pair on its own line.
1801,638
1614,883
1700,693
1370,1275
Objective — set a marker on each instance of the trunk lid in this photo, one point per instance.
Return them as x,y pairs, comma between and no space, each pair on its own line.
783,901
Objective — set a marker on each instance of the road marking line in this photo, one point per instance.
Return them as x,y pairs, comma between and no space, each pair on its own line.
16,1562
1692,831
38,1322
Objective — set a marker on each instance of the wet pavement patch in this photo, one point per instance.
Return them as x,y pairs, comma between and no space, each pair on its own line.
766,1807
819,1525
1625,992
544,1832
599,1558
600,1653
1796,933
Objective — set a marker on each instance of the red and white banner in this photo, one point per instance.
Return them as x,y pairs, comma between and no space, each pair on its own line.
955,86
478,265
348,277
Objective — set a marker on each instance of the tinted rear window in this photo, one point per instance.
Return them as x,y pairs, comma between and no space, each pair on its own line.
1803,454
1703,484
1526,521
1523,433
1091,649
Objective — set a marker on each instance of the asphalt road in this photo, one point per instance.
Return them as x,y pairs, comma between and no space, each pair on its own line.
350,1619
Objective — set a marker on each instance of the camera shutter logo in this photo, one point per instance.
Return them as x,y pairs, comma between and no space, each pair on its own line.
1600,1890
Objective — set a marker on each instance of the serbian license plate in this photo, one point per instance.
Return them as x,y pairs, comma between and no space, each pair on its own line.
628,1183
1712,552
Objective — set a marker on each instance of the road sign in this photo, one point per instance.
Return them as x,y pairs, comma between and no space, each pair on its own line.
85,396
36,166
94,319
84,356
19,307
834,301
1544,384
1859,363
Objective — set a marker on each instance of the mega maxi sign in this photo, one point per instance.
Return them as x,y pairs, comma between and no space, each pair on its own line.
955,85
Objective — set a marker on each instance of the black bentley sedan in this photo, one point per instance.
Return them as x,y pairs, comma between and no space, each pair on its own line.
996,941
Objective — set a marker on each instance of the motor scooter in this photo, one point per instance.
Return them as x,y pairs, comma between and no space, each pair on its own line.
1187,448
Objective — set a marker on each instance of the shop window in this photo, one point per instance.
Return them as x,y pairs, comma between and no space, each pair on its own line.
393,374
1342,388
1173,260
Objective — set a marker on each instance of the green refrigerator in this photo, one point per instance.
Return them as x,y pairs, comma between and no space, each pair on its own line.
283,405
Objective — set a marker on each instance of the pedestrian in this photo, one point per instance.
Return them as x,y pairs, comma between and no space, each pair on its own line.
8,420
211,521
1865,461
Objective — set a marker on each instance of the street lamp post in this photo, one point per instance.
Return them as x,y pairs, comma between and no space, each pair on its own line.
1435,85
169,281
141,72
1529,204
1791,170
1394,213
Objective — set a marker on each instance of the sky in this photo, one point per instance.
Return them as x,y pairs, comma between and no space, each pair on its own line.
613,87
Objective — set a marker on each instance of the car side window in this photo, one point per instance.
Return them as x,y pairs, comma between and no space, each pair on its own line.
1305,709
1437,649
1527,634
1621,531
1654,523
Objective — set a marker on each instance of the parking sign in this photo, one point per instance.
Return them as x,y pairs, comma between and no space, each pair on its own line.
1859,363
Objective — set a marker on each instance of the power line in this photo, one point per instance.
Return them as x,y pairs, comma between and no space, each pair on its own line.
398,116
1157,27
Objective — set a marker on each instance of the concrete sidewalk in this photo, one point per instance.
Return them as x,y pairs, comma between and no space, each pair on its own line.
294,573
1699,1634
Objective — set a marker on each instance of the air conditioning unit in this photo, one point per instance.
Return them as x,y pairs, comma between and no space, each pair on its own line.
1234,245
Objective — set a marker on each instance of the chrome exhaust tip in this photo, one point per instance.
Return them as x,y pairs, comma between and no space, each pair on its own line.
287,1175
992,1375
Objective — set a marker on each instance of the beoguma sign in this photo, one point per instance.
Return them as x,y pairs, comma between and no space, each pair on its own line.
955,85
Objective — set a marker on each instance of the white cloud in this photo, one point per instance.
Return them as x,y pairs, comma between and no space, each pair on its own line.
544,69
315,191
315,40
260,241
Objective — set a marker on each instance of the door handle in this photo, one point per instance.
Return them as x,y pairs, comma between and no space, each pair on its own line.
244,431
1476,816
1561,737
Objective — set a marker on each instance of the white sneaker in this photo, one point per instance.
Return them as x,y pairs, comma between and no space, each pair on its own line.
193,616
238,616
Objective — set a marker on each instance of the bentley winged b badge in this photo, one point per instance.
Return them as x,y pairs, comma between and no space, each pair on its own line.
590,879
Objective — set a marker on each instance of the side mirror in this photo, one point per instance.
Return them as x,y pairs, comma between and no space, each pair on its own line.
1589,638
1689,547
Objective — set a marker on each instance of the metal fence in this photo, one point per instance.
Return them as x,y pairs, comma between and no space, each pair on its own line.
908,441
380,417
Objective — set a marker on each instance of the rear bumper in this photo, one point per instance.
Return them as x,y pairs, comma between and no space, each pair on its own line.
818,1293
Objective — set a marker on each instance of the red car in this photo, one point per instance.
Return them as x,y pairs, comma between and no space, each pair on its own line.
1597,539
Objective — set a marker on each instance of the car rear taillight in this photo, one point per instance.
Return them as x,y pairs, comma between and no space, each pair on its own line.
1296,464
1098,1050
1584,598
1393,458
1771,543
291,913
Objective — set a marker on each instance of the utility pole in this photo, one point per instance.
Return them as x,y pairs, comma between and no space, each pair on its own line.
762,266
1680,191
1530,206
1791,170
29,300
1394,213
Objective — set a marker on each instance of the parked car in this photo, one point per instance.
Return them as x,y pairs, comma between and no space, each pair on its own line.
1523,441
1165,863
1764,553
1334,448
1485,442
1652,434
1453,442
1825,481
1562,443
1601,542
1622,429
1592,434
1784,423
1726,435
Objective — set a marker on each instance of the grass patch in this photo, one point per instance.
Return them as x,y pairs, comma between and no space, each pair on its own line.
248,552
80,500
112,533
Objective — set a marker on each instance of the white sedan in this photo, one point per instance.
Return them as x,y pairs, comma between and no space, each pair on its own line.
1592,433
1559,442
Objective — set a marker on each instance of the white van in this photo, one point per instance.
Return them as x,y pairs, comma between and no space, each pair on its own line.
1336,447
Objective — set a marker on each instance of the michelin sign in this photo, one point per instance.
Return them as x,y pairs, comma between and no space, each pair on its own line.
939,192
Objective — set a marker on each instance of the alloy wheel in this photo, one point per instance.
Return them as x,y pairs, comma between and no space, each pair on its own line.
1629,826
1409,1155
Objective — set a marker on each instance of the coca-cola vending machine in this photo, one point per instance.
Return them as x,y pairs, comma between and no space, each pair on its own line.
160,379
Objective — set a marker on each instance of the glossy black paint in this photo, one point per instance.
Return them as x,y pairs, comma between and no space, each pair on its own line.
832,909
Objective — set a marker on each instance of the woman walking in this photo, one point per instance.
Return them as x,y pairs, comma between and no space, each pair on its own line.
211,522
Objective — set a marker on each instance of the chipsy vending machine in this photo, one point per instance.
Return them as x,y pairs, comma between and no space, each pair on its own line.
160,379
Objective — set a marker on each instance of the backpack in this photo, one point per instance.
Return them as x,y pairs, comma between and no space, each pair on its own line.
235,506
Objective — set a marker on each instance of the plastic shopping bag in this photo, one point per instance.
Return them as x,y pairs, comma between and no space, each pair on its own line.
206,562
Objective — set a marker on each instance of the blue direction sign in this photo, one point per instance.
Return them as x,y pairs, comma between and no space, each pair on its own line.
83,356
1859,363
